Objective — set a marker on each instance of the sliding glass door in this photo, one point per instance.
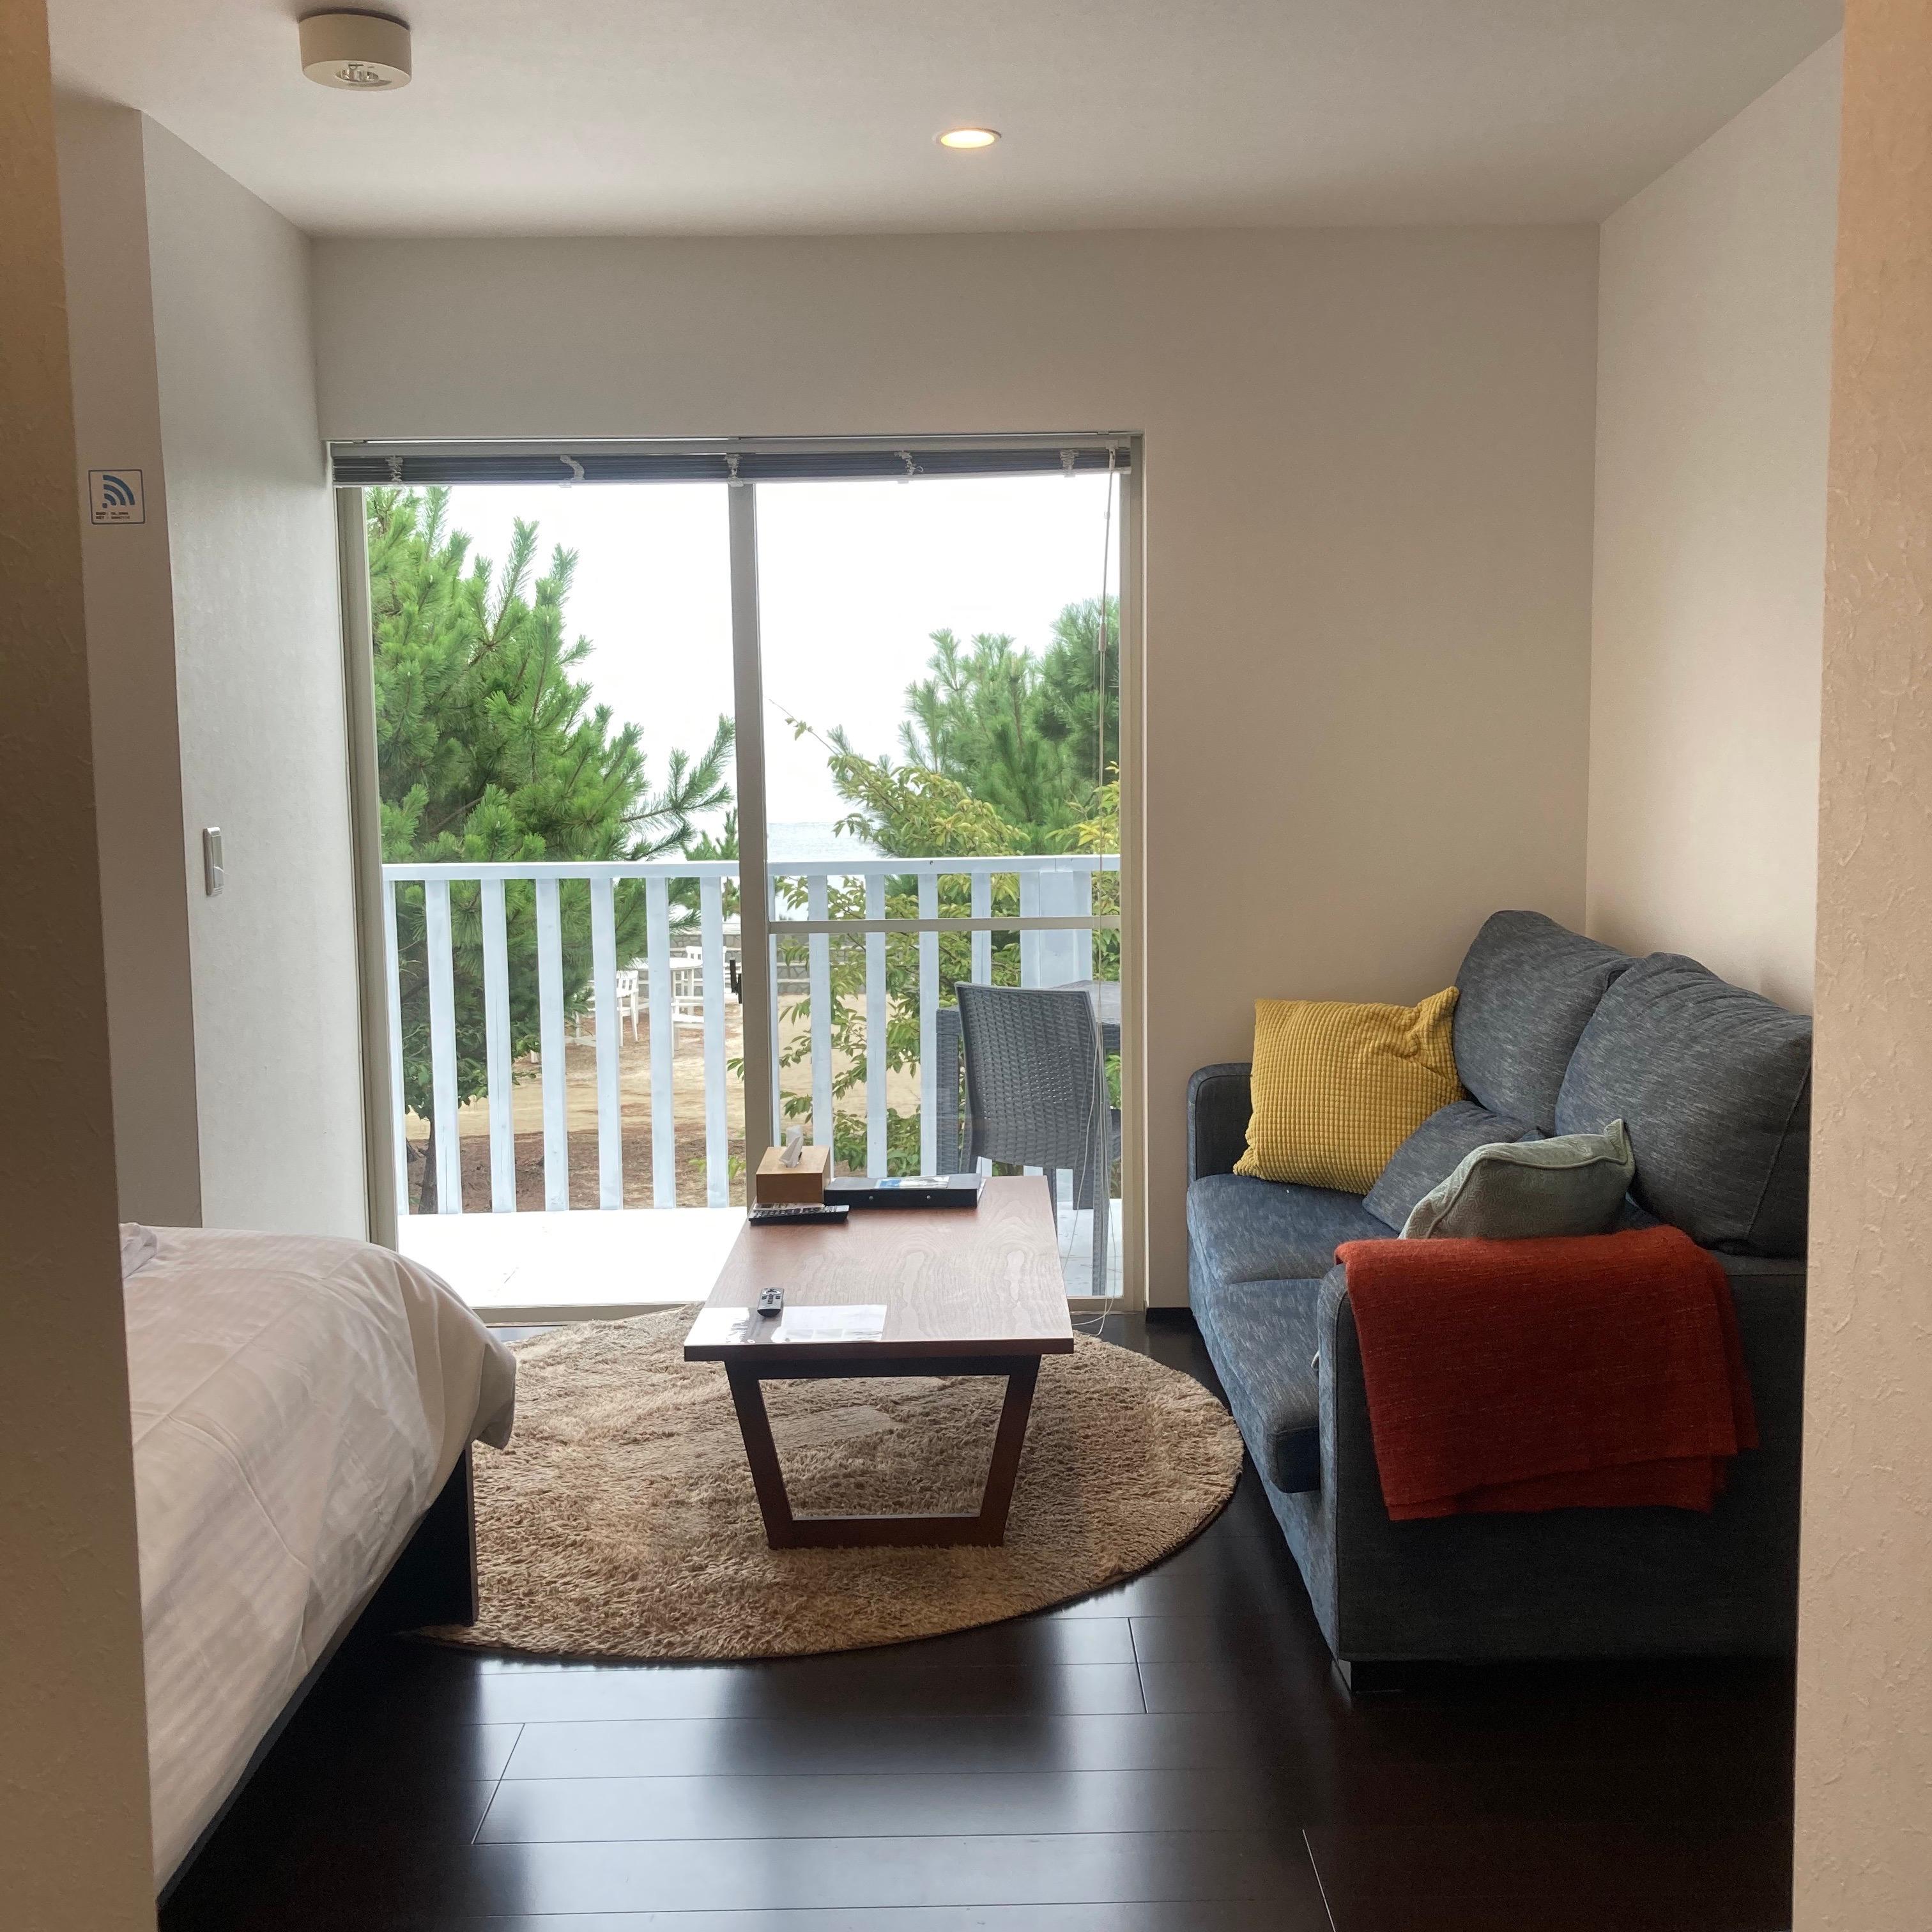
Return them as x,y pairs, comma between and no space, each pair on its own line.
705,776
940,663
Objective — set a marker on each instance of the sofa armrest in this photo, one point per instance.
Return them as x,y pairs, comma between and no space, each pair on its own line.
1339,1364
1564,1582
1218,1106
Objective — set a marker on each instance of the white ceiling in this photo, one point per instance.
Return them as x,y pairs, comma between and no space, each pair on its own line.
764,116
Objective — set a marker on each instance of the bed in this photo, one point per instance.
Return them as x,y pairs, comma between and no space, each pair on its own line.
301,1406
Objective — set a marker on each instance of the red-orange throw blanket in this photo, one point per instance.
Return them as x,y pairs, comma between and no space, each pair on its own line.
1599,1372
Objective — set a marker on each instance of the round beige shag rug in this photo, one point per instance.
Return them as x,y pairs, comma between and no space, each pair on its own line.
621,1521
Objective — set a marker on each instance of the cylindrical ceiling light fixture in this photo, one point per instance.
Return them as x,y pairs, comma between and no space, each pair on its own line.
367,51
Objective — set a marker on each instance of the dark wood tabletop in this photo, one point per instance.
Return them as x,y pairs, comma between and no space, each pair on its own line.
952,1282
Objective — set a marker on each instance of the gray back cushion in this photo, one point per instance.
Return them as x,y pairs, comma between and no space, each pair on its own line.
1527,988
1714,1084
1432,1153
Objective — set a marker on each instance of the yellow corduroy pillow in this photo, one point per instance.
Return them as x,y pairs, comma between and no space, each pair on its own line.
1337,1088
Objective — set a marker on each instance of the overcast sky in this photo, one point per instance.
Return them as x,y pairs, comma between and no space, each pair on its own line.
854,576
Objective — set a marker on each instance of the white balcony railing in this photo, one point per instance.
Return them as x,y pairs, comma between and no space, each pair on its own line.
424,950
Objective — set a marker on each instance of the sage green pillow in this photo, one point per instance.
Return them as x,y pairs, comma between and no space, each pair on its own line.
1525,1190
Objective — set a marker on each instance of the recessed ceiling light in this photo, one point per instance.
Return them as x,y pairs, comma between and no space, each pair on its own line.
368,53
969,137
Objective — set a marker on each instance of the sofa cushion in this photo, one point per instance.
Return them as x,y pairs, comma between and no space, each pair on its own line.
1715,1084
1528,987
1338,1085
1261,1336
1433,1152
1242,1229
1572,1185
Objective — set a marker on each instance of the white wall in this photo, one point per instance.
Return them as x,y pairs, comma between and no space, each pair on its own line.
258,649
131,645
214,652
1368,503
1713,400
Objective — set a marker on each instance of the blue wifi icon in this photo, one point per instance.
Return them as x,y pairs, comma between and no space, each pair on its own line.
116,489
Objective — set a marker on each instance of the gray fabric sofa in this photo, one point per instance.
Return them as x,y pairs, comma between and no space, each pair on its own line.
1553,1034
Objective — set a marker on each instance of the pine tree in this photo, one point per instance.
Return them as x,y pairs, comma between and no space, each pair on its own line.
490,749
1002,752
1031,737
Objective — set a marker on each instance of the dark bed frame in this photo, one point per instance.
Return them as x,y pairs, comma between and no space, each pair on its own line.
433,1580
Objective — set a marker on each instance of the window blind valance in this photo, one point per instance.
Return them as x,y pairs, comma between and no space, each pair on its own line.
379,464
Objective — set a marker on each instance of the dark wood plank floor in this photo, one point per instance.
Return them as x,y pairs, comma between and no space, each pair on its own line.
1173,1756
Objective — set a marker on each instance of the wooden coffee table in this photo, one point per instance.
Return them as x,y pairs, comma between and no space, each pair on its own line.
907,1291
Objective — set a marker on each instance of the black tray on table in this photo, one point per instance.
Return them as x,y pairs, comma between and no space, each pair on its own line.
911,1190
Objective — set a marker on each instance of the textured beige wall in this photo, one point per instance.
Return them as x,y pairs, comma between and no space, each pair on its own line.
1865,1688
74,1851
1368,532
1714,378
258,657
130,647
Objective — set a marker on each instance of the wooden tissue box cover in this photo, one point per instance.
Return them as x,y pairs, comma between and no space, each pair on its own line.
775,1184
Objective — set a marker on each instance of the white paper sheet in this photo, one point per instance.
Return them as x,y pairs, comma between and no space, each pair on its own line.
858,1321
298,1402
854,1322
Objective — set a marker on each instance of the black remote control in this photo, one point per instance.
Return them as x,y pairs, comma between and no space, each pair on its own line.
796,1214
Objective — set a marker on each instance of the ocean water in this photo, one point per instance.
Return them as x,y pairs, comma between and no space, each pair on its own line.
799,839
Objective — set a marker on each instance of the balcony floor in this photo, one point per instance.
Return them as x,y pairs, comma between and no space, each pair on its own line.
591,1266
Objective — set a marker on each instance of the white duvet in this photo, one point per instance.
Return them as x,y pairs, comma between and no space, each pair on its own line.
298,1402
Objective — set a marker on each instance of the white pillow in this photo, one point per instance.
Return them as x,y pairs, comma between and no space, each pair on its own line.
139,1246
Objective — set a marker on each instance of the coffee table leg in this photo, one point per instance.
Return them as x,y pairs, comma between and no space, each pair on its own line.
1007,1444
762,1453
783,1530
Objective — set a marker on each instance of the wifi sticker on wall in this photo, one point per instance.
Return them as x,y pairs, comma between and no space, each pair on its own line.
114,497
